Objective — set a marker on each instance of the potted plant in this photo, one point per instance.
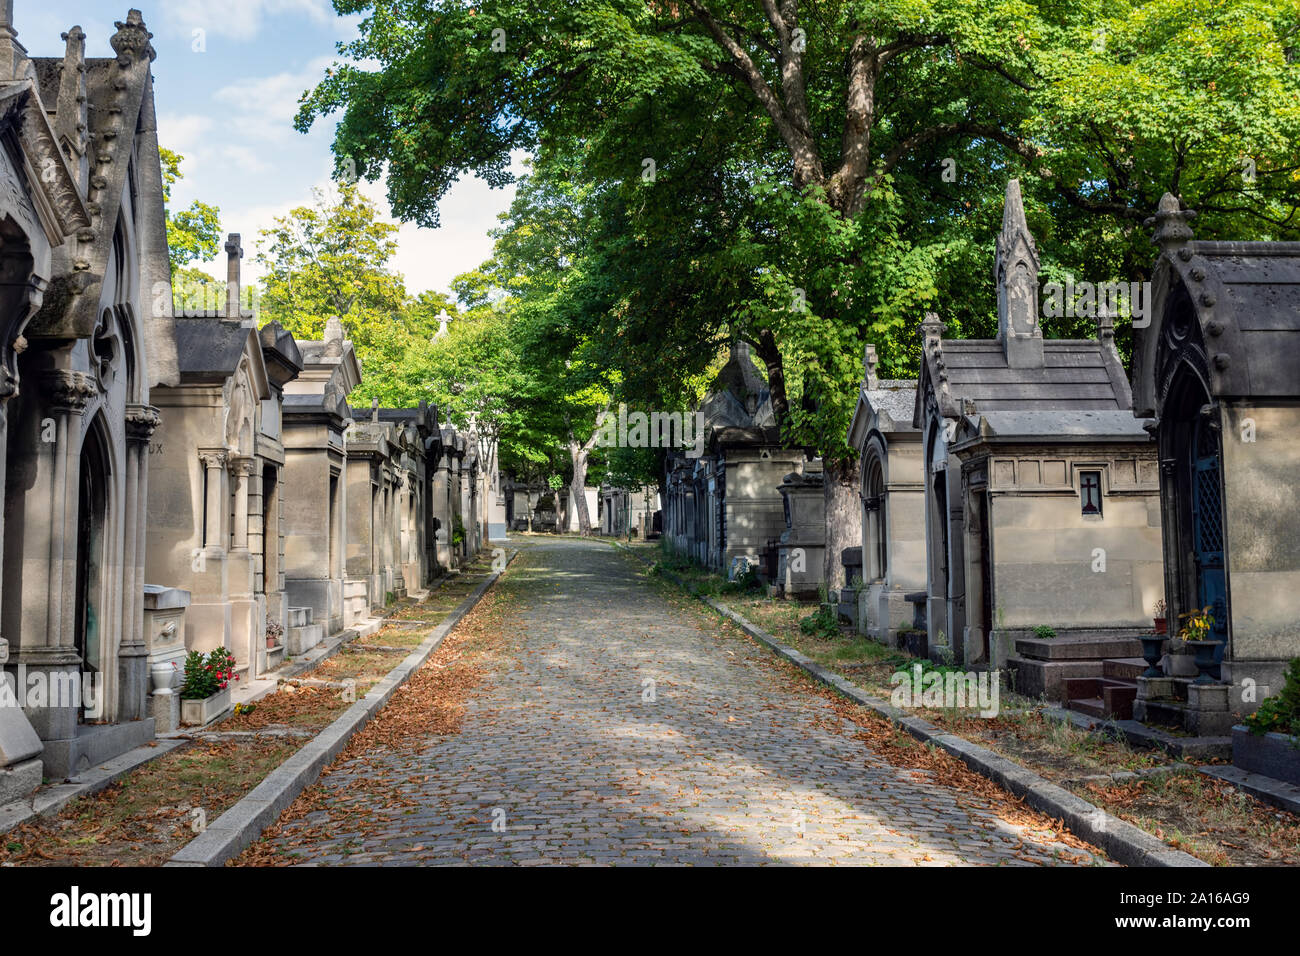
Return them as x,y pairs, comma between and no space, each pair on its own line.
274,631
1161,622
1195,633
205,694
1268,741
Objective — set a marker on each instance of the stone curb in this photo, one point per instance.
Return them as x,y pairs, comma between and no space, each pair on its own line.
1123,841
1277,793
243,823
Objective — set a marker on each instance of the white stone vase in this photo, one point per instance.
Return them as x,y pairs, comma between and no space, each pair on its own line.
163,674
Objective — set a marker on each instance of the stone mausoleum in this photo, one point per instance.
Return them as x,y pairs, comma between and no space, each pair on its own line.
1216,370
1042,503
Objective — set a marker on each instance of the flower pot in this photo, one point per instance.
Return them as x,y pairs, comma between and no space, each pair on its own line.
1205,662
199,712
1153,648
1162,625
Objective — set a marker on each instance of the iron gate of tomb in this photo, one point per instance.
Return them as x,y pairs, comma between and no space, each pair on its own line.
1207,530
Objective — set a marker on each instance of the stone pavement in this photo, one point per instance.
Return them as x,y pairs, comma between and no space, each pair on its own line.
625,733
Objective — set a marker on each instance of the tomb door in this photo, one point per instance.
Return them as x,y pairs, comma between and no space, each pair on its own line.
1207,529
92,511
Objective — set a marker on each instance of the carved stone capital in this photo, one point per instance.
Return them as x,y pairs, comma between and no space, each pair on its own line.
213,459
69,390
242,465
141,421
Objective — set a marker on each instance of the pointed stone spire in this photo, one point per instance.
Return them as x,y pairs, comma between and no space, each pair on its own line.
1015,271
869,362
1171,223
234,252
334,338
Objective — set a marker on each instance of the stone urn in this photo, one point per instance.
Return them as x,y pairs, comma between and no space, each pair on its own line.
163,675
1153,648
1205,662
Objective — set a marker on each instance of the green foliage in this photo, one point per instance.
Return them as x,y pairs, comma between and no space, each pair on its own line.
1043,632
824,622
193,234
207,674
1281,712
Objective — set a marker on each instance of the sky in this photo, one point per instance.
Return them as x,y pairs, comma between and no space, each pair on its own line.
227,81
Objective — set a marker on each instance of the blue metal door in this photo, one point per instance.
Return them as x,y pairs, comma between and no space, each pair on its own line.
1207,532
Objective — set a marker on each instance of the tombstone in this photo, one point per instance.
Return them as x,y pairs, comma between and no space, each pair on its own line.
1215,367
801,554
892,559
1041,493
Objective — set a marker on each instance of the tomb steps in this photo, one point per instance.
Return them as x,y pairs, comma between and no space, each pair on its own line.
1111,695
1074,667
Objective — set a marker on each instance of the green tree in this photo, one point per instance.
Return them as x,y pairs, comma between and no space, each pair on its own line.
332,259
193,234
781,171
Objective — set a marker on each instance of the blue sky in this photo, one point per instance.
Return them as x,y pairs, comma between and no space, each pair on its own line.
226,97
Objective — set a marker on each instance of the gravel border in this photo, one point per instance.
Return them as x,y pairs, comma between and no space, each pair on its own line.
1122,841
243,823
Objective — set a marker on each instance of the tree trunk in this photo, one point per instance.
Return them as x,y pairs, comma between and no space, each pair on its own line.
578,488
843,517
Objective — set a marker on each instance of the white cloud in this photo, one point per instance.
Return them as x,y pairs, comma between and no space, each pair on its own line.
238,19
261,109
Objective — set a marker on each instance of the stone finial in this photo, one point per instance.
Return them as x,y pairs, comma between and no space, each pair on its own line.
1015,271
374,411
234,252
70,112
1105,322
869,362
931,330
334,337
131,41
1171,223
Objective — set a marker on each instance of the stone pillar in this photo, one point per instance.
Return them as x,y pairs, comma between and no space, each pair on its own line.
240,469
57,657
214,463
133,651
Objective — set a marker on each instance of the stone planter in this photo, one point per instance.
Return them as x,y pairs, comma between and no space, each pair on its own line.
195,713
1273,755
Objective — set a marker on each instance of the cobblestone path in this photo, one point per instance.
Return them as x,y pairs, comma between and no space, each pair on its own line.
622,732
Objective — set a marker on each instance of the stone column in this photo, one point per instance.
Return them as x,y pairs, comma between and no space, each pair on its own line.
133,652
240,468
214,463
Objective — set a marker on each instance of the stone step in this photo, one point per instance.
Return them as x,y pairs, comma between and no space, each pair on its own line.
1092,706
1123,668
1078,648
1039,678
1080,688
1118,696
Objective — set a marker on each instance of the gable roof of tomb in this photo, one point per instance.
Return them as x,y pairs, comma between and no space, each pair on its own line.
1245,297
